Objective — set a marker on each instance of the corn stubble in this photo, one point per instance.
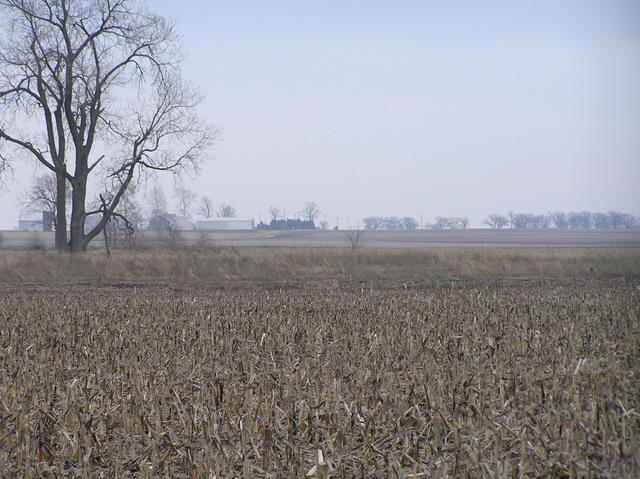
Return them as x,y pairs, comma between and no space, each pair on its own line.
521,380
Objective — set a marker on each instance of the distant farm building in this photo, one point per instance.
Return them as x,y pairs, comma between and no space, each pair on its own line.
183,224
36,221
226,224
169,221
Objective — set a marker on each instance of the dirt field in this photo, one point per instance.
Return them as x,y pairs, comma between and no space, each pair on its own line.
372,239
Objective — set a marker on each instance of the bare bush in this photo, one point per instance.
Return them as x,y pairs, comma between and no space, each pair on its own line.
171,238
137,241
355,238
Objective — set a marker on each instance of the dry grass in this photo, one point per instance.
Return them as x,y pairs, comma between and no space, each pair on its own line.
280,266
468,380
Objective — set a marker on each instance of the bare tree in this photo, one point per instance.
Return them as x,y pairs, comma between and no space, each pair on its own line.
462,222
628,221
540,221
558,219
129,207
226,211
274,212
521,221
442,223
408,223
582,219
310,212
373,222
43,195
621,220
103,77
391,223
206,207
496,221
601,221
157,201
184,200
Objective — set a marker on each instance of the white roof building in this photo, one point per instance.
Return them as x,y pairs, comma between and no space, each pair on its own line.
226,224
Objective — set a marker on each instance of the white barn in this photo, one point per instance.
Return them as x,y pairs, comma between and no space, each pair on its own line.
226,224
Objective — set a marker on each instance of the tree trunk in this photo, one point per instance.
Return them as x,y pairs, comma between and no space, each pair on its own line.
61,212
78,241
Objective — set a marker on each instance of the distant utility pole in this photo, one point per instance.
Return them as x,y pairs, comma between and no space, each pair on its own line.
338,222
421,220
326,225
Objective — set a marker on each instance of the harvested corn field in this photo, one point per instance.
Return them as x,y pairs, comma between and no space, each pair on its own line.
520,379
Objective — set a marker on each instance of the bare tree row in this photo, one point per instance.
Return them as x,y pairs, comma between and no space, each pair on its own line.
392,223
185,200
449,223
406,223
561,219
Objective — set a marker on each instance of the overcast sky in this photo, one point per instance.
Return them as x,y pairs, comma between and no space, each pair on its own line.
461,108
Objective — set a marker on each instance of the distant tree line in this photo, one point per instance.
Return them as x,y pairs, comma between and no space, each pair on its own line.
407,223
452,223
561,219
392,223
555,219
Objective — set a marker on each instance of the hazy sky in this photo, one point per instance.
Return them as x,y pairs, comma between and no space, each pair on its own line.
409,107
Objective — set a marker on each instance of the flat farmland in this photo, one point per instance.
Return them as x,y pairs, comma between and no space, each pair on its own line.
370,239
431,238
321,363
